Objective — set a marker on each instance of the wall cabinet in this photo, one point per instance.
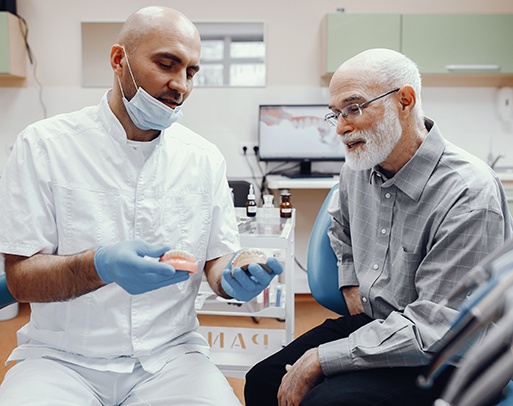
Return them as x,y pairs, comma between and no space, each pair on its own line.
450,49
12,47
348,34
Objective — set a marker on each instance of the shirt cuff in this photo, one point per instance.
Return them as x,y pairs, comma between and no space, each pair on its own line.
335,357
347,276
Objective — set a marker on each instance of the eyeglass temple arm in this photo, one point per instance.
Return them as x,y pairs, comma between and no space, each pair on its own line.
379,97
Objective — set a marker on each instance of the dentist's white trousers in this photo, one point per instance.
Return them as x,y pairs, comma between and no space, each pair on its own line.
191,379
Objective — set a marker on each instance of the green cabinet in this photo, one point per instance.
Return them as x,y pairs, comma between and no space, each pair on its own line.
12,47
459,43
348,34
450,49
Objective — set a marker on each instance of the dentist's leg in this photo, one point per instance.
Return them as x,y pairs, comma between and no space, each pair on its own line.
190,379
45,382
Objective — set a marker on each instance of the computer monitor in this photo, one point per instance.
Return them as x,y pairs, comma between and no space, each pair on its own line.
297,132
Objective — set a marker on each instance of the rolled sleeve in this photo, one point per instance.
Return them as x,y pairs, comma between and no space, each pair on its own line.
335,357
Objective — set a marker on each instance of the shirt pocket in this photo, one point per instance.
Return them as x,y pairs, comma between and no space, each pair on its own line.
403,274
185,221
89,218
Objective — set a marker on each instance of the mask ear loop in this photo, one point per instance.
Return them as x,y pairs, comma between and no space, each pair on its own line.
129,69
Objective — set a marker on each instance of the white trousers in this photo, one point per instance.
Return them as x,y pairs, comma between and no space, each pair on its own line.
191,379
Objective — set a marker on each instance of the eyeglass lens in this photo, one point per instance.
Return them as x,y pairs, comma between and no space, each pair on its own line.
353,110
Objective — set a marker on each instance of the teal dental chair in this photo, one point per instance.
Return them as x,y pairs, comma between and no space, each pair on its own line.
5,296
322,262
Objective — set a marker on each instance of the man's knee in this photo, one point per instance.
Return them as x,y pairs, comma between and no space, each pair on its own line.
254,377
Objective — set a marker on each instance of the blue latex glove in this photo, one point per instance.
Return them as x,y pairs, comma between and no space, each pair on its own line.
245,286
124,264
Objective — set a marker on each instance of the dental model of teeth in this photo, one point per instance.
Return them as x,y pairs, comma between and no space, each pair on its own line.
250,256
180,260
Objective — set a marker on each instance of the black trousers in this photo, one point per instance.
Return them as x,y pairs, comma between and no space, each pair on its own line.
379,386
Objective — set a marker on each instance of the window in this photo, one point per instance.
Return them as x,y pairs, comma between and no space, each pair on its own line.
233,54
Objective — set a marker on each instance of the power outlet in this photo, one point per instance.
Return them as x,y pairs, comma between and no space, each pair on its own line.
248,148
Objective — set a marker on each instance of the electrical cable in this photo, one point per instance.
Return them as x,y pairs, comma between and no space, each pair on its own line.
301,266
33,62
253,176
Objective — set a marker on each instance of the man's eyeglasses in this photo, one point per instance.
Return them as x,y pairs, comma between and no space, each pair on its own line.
353,110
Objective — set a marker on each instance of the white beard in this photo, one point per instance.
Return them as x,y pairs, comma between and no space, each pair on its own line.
379,142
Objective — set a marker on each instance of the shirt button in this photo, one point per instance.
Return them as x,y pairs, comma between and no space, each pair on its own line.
387,195
383,231
364,299
375,267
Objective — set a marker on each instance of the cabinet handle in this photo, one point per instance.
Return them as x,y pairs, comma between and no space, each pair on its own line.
472,67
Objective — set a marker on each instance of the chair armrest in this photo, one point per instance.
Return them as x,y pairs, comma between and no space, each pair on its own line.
5,296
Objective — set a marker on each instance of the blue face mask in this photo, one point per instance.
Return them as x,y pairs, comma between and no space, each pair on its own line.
146,112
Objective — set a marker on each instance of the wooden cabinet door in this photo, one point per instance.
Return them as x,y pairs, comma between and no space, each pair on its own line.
459,43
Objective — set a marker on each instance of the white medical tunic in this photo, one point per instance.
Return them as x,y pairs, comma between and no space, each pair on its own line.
74,182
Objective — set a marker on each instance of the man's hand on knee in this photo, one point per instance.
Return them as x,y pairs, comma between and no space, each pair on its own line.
300,378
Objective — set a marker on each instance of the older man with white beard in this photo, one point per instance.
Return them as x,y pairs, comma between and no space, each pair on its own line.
414,214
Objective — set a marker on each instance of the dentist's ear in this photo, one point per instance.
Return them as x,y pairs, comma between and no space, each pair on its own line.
117,54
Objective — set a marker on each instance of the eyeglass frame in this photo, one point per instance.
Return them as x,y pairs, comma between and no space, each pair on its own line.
332,117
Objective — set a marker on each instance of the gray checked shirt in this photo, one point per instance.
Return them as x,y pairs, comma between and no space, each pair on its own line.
406,241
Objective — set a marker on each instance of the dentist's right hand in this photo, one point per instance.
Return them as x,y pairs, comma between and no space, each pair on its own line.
124,264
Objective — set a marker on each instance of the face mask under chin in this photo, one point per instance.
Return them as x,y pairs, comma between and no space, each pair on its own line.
145,111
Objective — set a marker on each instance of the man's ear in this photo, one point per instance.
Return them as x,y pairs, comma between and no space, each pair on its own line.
116,56
407,97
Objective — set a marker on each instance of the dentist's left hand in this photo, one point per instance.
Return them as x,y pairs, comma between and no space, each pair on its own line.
244,286
124,264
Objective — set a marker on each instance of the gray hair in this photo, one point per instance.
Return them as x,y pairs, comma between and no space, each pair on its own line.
388,70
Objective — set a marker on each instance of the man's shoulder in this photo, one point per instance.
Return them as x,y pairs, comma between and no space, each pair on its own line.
470,168
463,174
68,123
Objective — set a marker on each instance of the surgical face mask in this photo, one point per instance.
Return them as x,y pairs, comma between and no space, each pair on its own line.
146,112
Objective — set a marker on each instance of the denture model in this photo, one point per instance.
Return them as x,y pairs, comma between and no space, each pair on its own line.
250,256
180,260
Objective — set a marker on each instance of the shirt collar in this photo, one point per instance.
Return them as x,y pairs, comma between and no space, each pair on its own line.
413,177
111,122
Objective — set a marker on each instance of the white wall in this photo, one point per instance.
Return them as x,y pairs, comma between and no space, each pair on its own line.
227,116
466,116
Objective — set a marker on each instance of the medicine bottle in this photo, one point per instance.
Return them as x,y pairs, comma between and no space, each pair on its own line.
285,205
251,206
268,209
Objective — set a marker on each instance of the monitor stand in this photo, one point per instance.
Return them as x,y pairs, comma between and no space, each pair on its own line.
305,171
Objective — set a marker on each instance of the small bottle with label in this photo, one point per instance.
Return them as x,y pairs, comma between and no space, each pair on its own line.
268,209
251,206
285,205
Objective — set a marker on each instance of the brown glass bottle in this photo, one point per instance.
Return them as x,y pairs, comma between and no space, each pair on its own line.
285,205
